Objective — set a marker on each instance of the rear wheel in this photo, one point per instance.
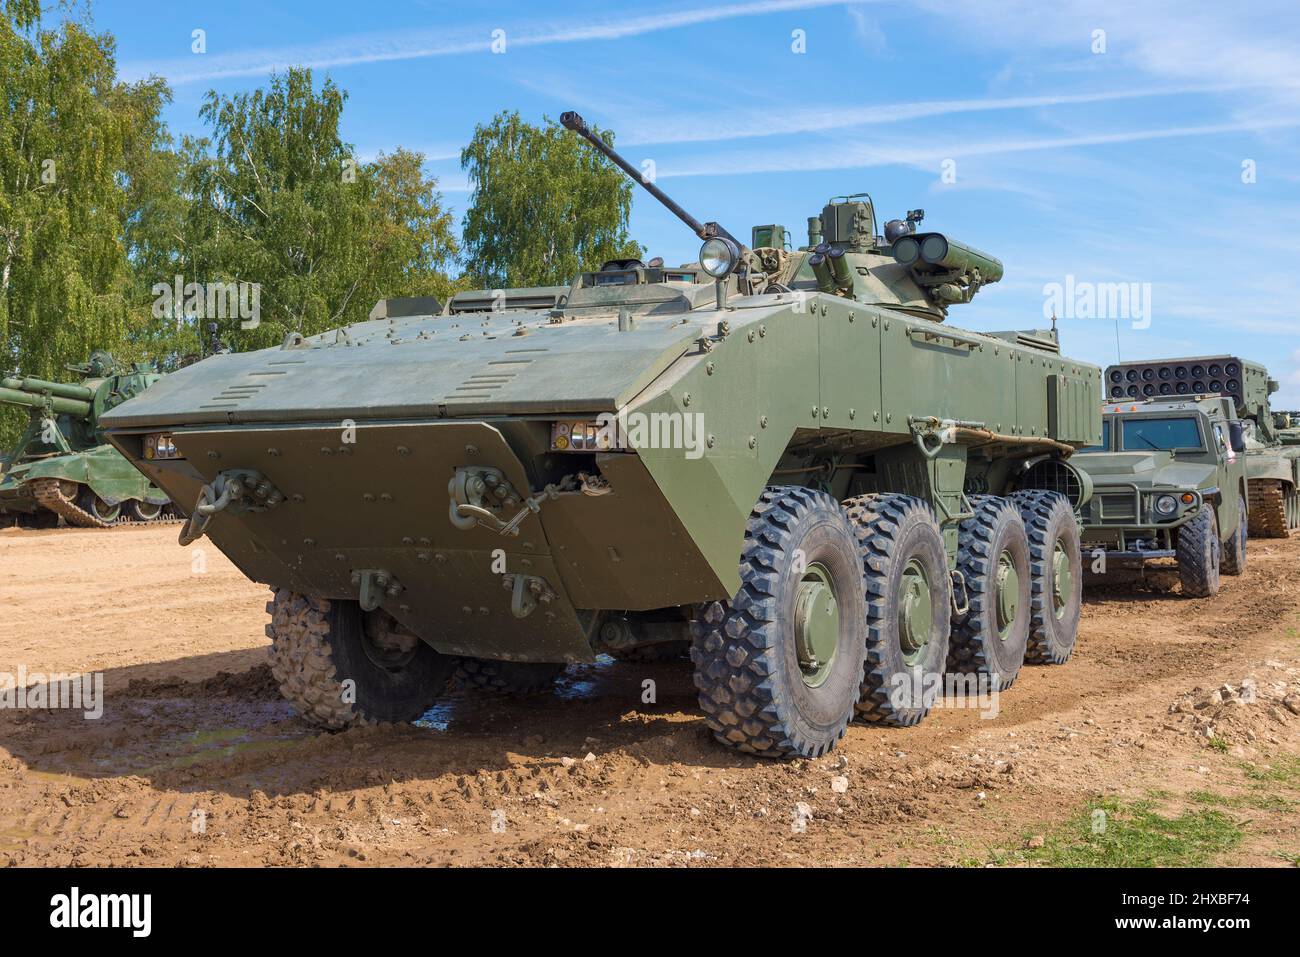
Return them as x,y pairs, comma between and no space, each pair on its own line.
1055,575
909,606
778,667
508,677
1234,549
339,667
993,558
1199,552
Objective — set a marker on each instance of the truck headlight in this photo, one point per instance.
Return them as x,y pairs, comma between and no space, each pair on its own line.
159,445
1166,504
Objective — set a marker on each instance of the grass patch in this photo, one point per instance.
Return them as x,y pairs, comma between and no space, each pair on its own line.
1261,802
1108,833
1283,769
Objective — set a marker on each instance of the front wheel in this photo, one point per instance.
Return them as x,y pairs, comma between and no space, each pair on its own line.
778,666
341,667
1199,552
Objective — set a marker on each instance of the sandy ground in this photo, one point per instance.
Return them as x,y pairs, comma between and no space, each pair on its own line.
198,761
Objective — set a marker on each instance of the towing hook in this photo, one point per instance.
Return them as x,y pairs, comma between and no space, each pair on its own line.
243,490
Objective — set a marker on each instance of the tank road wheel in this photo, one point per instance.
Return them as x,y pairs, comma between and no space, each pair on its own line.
909,606
96,507
318,644
1199,552
508,677
143,511
778,667
1272,508
993,556
1055,575
1234,549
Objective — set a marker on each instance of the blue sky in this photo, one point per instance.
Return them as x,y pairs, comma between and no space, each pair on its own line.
1118,156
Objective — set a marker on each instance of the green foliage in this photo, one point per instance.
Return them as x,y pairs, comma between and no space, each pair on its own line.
66,125
545,206
282,203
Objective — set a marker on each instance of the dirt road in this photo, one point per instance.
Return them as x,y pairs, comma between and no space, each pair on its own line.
197,761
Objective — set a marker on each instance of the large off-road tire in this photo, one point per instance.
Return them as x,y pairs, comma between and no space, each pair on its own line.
318,644
508,677
1199,553
1234,549
1273,508
778,666
993,557
909,607
1055,575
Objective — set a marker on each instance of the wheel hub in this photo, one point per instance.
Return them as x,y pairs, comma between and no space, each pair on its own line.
816,624
1062,579
915,611
1008,588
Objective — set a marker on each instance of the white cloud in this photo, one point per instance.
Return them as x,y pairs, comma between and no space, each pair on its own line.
854,156
414,45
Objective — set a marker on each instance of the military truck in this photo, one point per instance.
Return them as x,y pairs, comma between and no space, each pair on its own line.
62,467
1273,468
784,457
1169,480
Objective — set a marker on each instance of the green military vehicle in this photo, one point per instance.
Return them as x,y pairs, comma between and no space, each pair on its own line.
785,457
62,467
1272,460
1169,476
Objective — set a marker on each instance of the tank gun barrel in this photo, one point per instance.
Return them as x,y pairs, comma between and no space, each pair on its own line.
32,399
38,386
572,121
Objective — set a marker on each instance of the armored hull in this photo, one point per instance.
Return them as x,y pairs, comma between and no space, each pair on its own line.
786,459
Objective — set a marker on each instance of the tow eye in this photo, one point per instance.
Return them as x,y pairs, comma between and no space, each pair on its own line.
373,586
240,490
475,490
525,592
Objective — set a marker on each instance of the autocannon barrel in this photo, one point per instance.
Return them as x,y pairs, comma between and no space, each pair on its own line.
35,399
573,121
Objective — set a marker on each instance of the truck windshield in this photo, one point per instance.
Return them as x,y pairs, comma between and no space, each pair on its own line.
1161,434
1105,439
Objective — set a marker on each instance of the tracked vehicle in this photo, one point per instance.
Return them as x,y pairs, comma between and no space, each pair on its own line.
784,457
62,467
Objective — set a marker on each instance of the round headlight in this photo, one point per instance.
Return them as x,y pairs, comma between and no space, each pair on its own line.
1166,505
718,256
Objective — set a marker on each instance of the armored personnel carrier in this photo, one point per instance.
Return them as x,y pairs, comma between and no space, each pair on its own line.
62,467
785,457
1170,475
